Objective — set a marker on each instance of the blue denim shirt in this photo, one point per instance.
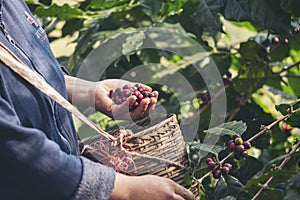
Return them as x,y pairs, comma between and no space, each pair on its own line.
38,148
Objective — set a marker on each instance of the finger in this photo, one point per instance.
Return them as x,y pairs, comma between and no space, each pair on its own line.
131,100
178,197
184,193
141,110
146,87
153,101
151,105
155,94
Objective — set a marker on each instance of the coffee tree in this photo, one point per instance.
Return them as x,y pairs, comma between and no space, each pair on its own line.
255,46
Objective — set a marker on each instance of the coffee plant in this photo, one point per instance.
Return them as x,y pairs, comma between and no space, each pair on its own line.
256,47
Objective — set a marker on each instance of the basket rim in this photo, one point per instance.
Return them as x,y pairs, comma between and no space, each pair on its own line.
169,117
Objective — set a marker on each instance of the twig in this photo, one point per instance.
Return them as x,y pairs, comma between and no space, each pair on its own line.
236,110
280,167
201,110
289,75
263,131
287,68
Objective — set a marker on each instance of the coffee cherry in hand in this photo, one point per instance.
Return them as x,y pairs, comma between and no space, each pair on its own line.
119,95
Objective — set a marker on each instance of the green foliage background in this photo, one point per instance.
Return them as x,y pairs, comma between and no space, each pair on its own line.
237,34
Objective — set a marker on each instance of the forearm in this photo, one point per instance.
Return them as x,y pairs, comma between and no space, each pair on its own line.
80,92
37,168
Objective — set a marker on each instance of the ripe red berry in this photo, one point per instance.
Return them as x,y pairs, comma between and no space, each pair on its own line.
126,92
244,154
207,160
217,174
285,41
286,127
126,87
240,148
140,97
236,136
275,40
136,104
232,146
228,165
211,165
119,95
225,170
237,156
247,145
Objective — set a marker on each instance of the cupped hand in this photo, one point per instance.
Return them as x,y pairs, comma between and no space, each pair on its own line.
106,105
148,187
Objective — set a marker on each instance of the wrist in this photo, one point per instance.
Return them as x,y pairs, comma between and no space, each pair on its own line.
122,189
80,92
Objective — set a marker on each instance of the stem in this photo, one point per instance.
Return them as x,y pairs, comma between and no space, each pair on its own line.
208,104
287,68
236,110
289,75
263,131
280,167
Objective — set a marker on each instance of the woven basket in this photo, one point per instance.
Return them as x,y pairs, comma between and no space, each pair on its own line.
156,147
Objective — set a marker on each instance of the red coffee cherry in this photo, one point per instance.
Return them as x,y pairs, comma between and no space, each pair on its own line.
275,40
247,145
285,41
119,95
217,174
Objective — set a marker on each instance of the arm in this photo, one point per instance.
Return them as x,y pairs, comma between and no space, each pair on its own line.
96,94
37,168
148,187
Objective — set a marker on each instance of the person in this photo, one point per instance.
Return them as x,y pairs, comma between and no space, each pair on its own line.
38,146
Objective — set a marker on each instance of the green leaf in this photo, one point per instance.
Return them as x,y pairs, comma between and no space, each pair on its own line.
293,188
271,193
283,108
280,158
228,185
266,174
71,27
216,149
254,72
249,168
172,7
106,4
250,50
266,13
62,12
133,43
228,198
228,128
152,8
207,14
294,120
291,6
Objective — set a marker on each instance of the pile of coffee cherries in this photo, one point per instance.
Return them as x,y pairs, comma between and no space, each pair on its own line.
216,168
239,147
119,95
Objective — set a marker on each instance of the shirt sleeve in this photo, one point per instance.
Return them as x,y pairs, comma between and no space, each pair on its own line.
34,167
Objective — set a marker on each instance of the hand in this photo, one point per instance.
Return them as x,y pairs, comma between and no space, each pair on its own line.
148,187
106,105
